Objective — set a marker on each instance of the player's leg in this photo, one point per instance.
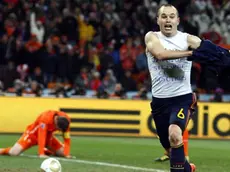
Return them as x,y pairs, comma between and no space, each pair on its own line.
48,152
177,157
178,122
185,141
161,118
5,151
162,124
16,150
166,155
55,146
24,142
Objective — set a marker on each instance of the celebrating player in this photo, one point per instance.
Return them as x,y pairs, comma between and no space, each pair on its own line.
172,96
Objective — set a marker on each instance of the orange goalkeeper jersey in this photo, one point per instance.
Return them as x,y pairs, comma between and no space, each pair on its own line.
44,126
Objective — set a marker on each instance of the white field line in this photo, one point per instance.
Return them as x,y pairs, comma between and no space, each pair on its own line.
102,164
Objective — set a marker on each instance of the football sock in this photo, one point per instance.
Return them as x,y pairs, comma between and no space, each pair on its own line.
187,167
177,159
5,151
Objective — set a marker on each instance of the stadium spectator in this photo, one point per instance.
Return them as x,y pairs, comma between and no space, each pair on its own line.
1,88
128,83
95,82
141,94
36,27
61,37
128,54
105,58
86,30
34,88
118,93
109,81
17,89
37,76
218,95
8,74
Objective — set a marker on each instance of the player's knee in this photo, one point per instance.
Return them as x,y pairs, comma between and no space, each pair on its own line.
14,152
60,152
175,135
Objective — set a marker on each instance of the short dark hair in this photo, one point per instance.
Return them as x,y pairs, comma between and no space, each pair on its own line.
62,123
166,5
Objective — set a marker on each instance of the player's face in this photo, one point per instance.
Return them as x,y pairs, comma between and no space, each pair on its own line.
168,20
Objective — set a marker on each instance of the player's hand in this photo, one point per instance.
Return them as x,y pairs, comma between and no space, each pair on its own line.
43,156
70,157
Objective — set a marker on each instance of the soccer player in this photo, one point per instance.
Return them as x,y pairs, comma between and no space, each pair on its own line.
172,97
41,133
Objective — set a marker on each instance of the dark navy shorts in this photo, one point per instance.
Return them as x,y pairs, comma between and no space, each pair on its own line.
173,110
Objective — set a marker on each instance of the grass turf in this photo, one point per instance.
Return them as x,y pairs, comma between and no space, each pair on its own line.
208,155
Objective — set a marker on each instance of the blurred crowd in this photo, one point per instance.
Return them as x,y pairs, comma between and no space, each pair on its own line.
71,46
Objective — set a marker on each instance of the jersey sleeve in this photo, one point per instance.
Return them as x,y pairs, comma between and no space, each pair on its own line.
66,136
42,133
67,142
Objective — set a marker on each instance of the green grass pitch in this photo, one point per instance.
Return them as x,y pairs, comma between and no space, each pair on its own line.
120,155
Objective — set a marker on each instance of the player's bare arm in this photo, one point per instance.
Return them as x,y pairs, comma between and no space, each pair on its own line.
154,46
193,41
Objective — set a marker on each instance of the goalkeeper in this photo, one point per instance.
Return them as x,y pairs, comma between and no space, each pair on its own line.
41,133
